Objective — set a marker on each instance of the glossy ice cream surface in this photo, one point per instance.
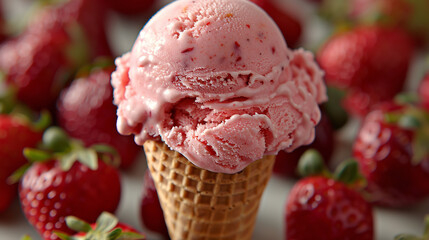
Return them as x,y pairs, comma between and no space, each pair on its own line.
215,80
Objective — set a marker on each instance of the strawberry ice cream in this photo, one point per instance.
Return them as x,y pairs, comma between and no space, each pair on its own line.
215,81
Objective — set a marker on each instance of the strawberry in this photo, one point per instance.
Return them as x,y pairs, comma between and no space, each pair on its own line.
289,25
391,148
62,37
16,133
107,226
286,163
130,7
370,63
85,110
68,179
326,208
423,91
151,213
409,15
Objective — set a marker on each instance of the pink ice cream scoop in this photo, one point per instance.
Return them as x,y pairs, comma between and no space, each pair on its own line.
216,82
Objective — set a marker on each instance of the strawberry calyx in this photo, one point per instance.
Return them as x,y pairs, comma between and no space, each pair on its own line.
105,229
413,237
311,164
56,145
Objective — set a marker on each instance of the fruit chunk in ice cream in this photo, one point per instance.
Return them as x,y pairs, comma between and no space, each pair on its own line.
215,80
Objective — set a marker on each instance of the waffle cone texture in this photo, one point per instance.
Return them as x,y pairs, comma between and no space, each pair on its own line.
199,204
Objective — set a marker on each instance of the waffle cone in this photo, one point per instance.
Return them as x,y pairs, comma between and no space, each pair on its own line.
199,204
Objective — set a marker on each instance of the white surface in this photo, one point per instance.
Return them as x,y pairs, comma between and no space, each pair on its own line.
270,222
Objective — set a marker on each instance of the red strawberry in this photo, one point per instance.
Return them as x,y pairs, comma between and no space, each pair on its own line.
68,180
106,227
326,206
286,163
370,63
391,148
325,209
289,25
423,91
151,213
86,111
15,135
130,7
61,38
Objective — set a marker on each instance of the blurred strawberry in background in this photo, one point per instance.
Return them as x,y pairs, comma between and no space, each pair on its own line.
85,110
325,205
369,63
16,133
64,178
61,38
393,154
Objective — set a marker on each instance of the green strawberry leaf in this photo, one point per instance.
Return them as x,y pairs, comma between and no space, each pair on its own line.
130,235
311,163
426,230
63,236
107,150
115,234
36,155
347,172
407,98
78,224
26,237
407,237
88,157
409,122
17,175
67,160
56,139
43,122
106,222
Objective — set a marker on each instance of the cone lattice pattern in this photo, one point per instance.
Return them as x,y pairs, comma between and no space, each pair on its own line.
199,204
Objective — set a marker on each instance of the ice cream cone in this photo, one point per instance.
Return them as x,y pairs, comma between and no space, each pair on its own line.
199,204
